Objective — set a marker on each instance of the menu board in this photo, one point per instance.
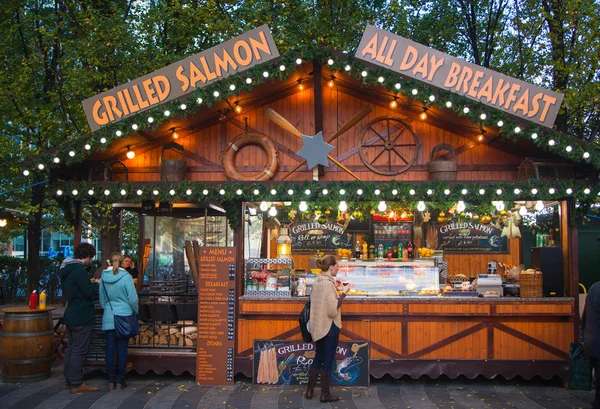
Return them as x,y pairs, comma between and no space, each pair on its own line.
288,362
471,237
216,316
308,237
96,353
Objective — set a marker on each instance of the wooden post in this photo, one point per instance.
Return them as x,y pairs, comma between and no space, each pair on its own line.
570,253
238,244
318,98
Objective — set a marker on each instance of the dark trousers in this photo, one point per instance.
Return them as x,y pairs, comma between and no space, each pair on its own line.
118,345
596,402
325,350
78,339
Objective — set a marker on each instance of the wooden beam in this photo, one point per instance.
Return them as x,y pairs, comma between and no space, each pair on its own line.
318,105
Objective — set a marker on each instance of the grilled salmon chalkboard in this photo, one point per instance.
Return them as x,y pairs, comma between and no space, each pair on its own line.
308,237
471,237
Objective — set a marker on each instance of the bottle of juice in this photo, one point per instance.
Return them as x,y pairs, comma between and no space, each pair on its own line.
380,251
400,250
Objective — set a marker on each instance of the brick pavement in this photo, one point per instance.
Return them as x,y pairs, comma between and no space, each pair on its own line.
180,392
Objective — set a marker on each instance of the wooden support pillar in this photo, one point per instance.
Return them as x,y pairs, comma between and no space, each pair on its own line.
319,171
240,279
570,252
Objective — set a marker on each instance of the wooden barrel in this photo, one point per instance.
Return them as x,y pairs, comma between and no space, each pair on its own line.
172,163
26,344
442,169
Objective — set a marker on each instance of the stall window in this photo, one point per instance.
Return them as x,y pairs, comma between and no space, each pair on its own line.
168,299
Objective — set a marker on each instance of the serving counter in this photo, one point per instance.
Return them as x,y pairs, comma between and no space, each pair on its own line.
433,335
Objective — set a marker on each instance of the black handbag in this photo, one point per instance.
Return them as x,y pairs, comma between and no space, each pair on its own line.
580,368
126,326
304,319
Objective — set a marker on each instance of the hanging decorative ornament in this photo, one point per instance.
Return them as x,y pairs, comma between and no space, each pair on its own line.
426,217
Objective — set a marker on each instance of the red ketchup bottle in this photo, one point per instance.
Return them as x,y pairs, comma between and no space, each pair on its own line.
33,300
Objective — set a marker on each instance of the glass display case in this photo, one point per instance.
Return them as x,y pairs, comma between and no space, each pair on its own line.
390,233
381,278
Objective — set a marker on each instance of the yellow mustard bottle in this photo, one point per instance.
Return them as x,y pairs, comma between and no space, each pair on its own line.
43,300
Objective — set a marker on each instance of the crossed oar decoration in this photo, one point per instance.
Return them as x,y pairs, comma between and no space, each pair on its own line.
287,126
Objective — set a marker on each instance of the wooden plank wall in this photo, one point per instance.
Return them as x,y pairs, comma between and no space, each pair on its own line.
298,109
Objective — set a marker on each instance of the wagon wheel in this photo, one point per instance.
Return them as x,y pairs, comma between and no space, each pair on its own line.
388,146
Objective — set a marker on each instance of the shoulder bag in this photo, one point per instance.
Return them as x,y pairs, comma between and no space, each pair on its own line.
304,322
126,326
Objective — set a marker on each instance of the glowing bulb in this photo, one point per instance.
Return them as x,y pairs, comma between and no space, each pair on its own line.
397,85
517,191
421,206
423,116
183,107
41,166
330,83
26,172
586,155
273,191
432,98
500,124
551,142
522,210
343,206
382,207
448,104
364,74
256,192
199,100
56,160
325,192
466,110
139,192
447,192
119,133
330,61
534,191
483,117
103,140
552,191
342,192
534,136
429,192
134,127
166,113
232,87
394,104
412,192
239,192
587,191
298,61
222,192
205,192
480,137
188,192
59,192
282,67
482,191
266,74
290,192
87,147
395,192
150,119
216,94
359,192
130,154
539,206
464,191
460,206
500,206
307,192
155,192
415,91
517,130
303,206
499,192
75,192
107,192
248,80
569,191
347,67
569,148
377,192
272,212
91,192
263,206
123,192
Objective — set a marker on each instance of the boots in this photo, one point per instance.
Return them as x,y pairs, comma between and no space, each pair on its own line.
313,374
325,385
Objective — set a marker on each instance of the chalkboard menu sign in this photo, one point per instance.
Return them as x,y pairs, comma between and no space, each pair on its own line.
309,237
471,237
97,347
288,362
216,316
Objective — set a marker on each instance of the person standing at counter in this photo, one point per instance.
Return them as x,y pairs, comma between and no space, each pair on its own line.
325,325
590,323
129,266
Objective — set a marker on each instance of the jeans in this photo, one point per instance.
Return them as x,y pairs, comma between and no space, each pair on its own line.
325,350
118,346
78,339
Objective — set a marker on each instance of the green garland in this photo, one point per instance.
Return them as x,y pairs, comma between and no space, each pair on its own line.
568,147
365,196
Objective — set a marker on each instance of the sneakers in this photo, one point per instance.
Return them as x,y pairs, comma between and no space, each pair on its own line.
83,388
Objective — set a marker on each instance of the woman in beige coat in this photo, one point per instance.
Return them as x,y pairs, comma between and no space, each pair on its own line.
325,325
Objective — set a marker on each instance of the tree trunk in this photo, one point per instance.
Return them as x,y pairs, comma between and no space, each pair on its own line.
34,237
110,240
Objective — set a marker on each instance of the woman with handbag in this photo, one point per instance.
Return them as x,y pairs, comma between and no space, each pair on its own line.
119,299
325,325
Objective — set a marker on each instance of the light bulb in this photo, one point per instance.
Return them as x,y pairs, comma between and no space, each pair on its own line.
395,192
569,191
342,192
364,74
56,160
91,192
172,192
382,207
460,206
205,192
522,210
551,142
482,191
107,192
303,206
343,206
166,113
500,206
325,192
569,148
25,172
183,107
359,192
222,192
448,104
534,136
483,117
330,61
421,206
517,191
534,191
377,192
415,91
155,192
139,192
429,192
394,104
517,130
119,133
239,192
500,124
447,192
256,192
397,85
347,67
59,192
87,147
188,192
587,191
330,83
134,127
432,98
539,206
232,87
412,192
298,60
307,192
123,192
216,94
586,155
272,212
130,154
552,191
75,192
290,192
199,100
423,116
380,80
248,80
150,119
238,109
499,192
264,206
464,192
103,140
466,110
273,191
266,74
282,67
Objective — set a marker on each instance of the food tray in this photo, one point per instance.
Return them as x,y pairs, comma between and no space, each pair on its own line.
491,295
461,294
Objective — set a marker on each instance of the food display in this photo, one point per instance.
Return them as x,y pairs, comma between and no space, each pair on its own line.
383,278
425,252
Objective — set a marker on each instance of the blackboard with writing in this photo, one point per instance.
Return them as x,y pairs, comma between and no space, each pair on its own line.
96,354
471,237
308,237
288,362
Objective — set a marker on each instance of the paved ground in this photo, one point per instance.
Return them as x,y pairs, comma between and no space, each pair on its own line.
179,392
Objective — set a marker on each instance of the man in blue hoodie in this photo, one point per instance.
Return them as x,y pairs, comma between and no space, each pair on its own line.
80,292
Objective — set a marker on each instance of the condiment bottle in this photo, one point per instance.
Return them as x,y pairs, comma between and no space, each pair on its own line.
389,253
410,248
400,250
357,250
33,300
380,251
43,300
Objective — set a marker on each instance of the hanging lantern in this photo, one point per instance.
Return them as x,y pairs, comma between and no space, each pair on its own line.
284,244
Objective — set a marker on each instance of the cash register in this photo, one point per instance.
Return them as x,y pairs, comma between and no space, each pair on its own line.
491,283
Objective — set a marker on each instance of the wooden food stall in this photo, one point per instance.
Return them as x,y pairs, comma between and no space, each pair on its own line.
357,153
